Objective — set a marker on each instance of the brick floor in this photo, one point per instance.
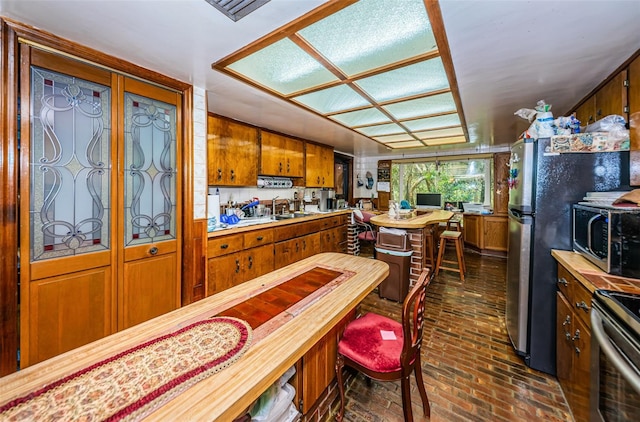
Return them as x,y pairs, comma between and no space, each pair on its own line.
471,371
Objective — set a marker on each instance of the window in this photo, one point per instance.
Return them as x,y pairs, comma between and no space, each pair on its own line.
468,180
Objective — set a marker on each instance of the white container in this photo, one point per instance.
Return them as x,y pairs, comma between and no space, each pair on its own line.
282,401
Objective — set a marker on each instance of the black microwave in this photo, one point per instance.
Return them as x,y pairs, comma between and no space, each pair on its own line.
608,237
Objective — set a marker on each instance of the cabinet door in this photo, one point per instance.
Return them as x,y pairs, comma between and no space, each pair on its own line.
294,158
286,252
501,174
495,233
223,273
586,113
257,261
612,98
564,345
581,381
312,166
272,148
309,245
634,105
232,150
327,169
471,226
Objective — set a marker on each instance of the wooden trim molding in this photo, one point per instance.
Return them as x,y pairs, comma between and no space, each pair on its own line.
8,202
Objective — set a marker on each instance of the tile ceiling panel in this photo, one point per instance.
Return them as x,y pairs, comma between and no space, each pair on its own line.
361,117
436,104
265,67
373,66
371,34
416,79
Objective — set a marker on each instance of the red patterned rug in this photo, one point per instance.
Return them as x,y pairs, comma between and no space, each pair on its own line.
134,383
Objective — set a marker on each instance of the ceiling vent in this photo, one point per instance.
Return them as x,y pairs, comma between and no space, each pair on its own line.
236,9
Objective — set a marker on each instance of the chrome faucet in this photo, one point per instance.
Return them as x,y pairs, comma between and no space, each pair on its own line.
273,207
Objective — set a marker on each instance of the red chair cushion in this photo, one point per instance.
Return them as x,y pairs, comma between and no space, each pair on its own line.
363,343
367,235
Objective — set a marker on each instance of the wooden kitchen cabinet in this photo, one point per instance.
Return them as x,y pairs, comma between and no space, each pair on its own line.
233,269
501,186
488,233
586,113
318,367
495,232
610,99
472,229
281,155
573,343
232,153
319,166
292,250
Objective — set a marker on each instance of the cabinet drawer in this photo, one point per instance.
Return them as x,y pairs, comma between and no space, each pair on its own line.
258,238
581,303
219,246
577,295
565,281
291,231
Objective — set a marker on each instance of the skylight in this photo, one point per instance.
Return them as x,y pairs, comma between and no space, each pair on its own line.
381,68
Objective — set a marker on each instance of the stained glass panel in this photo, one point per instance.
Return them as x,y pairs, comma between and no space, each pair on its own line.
150,170
70,165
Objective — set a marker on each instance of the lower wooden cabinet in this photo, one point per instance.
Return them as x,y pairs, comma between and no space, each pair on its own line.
486,232
292,250
316,370
236,258
573,343
230,270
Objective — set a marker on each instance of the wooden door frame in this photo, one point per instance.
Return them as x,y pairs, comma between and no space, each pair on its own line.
9,199
11,34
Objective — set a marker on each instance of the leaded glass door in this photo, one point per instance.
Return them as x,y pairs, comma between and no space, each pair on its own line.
67,193
150,184
100,201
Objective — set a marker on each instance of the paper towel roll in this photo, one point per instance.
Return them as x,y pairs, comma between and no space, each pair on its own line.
213,207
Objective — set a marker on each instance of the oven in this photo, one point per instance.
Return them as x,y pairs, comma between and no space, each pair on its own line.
615,357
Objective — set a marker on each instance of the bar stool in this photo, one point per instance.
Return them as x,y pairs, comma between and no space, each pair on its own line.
455,223
456,237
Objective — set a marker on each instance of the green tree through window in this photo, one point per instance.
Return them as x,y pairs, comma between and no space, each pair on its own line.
457,181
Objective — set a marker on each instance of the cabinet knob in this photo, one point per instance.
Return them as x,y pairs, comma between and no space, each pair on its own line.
567,321
224,246
582,305
259,238
233,175
280,167
577,350
153,251
250,262
219,174
576,336
237,266
563,281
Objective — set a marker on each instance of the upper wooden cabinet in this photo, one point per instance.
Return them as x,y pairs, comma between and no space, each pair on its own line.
232,153
319,166
501,188
281,155
610,99
634,103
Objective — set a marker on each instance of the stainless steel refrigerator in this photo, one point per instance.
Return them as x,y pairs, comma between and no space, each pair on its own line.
542,188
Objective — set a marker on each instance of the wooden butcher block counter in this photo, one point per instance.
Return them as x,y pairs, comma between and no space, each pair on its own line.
276,342
418,222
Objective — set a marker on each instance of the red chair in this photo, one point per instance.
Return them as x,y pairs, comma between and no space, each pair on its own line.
363,348
366,232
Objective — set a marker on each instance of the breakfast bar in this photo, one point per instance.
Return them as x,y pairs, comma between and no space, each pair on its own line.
422,236
314,295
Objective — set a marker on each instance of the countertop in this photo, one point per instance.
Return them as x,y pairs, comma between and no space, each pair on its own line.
419,222
226,394
592,277
267,223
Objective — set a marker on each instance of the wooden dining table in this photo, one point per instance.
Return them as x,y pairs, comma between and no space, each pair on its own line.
279,337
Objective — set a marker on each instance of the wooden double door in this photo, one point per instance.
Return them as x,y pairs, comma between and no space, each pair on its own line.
100,203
